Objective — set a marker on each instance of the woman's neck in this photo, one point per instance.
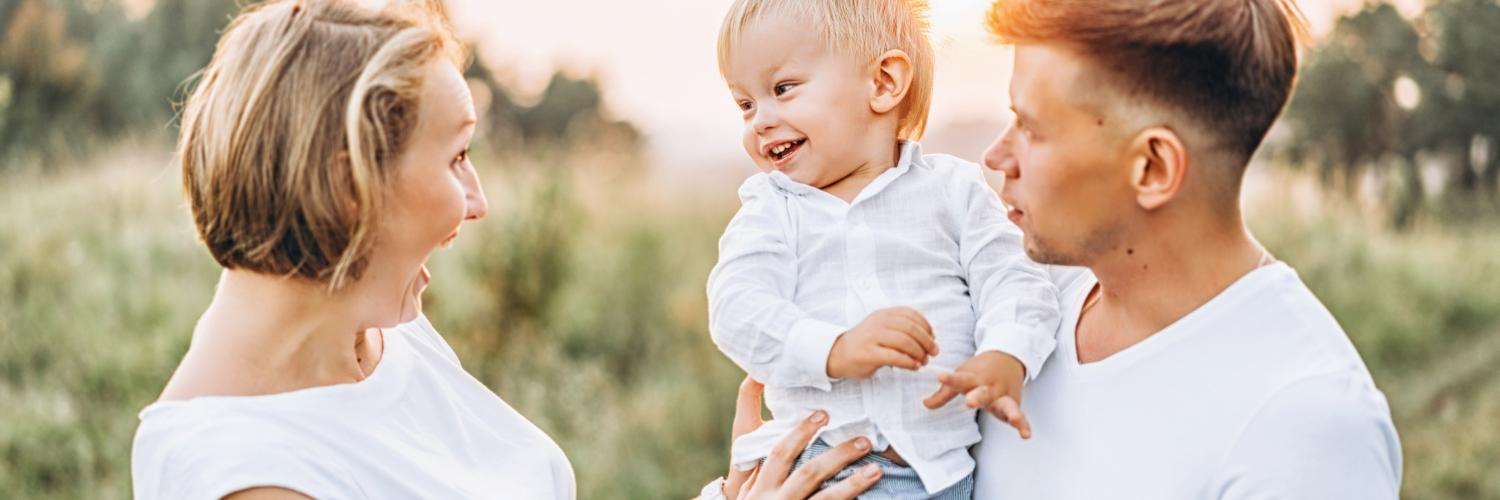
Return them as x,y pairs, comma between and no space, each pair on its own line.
266,334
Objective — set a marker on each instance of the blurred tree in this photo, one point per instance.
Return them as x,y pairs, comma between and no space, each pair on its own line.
75,72
1383,89
1465,51
571,110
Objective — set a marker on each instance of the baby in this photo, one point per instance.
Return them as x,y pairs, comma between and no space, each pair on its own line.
859,272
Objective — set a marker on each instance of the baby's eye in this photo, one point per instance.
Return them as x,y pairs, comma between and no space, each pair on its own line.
782,88
744,105
461,158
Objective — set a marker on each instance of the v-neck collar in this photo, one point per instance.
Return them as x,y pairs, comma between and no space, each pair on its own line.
1183,328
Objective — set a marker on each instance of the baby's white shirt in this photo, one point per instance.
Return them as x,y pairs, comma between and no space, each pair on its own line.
798,267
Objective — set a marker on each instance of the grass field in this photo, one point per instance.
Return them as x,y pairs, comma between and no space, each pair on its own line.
580,301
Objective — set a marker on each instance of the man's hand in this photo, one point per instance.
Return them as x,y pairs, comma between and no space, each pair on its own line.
991,380
899,336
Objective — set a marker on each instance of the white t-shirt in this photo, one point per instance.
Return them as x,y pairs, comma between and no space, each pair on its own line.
1256,394
418,427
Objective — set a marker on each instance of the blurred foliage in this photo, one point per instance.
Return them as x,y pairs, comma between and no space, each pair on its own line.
75,74
580,301
1386,96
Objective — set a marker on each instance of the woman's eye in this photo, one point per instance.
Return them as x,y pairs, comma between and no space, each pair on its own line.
782,88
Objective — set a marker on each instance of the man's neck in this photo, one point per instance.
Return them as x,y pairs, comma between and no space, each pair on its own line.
1151,282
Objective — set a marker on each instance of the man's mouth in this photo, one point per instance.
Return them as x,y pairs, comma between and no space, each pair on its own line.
1015,215
783,150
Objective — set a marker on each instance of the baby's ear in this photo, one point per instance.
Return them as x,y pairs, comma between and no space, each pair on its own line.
893,74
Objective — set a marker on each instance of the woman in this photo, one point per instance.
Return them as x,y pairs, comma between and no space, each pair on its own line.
324,157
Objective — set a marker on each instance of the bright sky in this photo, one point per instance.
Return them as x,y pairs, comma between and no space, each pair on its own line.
659,70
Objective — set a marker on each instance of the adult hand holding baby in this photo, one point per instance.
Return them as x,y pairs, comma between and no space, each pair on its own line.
897,336
774,478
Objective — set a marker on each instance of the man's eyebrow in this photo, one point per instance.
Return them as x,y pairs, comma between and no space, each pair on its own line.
1020,113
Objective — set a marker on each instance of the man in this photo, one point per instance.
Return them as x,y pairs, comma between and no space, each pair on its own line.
1190,364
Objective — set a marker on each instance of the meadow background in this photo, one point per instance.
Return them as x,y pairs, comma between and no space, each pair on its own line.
580,298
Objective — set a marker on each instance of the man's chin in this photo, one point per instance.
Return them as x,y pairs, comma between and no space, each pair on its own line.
1042,254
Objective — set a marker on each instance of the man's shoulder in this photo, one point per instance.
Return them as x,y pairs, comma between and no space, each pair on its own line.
1327,435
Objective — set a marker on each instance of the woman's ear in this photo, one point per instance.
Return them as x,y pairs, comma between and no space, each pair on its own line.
892,79
1160,167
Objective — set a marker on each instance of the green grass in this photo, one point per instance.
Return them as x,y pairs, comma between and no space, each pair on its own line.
580,301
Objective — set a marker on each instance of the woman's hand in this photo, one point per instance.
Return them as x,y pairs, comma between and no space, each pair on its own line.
774,479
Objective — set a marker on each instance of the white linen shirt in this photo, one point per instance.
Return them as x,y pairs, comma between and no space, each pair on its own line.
798,267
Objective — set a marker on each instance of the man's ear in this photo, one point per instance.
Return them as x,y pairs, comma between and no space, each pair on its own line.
893,74
1160,167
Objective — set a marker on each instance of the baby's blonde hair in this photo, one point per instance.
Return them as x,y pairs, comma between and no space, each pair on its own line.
860,28
289,137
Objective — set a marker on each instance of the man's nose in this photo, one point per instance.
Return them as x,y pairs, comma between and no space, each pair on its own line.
1001,156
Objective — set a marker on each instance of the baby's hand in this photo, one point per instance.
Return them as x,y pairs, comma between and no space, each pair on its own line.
991,380
899,336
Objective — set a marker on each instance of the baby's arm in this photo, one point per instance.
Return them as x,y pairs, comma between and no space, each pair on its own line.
752,319
750,315
1016,304
1013,297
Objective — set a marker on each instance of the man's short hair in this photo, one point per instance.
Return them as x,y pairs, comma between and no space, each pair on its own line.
1228,66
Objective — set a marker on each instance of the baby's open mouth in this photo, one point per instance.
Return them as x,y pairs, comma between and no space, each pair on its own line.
786,149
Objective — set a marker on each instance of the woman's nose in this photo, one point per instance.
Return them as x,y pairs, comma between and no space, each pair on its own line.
475,204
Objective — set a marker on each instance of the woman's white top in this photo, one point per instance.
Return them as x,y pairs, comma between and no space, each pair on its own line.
418,427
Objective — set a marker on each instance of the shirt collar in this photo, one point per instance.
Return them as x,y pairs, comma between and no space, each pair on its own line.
911,155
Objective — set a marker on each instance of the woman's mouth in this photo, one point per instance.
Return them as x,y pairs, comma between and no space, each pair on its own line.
448,241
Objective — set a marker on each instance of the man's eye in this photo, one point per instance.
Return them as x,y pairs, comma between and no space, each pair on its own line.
782,88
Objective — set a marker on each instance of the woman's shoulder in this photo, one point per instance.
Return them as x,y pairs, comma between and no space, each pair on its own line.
208,449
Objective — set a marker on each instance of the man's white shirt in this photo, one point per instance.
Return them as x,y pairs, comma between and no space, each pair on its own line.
1256,394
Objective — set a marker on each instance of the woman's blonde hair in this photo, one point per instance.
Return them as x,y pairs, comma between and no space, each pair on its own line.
289,136
859,28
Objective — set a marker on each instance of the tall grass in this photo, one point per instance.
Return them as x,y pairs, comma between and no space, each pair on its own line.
580,301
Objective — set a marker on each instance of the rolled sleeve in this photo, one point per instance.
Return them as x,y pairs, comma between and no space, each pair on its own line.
807,349
750,315
1016,302
1029,344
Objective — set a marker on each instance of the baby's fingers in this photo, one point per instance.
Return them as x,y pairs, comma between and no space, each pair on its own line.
980,397
885,356
943,395
1009,411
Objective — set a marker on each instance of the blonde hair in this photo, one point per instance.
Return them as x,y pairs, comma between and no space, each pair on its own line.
860,28
289,136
